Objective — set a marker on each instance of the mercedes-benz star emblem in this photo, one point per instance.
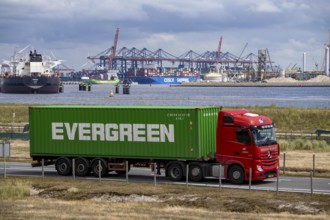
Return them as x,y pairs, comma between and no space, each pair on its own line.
269,154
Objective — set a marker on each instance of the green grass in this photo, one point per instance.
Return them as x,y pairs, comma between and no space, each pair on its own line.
286,118
21,113
294,118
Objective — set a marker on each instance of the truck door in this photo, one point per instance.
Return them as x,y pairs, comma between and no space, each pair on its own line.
243,147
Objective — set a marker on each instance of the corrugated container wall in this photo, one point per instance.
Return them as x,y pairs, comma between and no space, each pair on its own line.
148,132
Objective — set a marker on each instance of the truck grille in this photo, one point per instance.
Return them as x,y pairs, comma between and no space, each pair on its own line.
266,161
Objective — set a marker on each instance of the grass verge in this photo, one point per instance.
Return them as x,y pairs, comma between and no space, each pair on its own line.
286,118
61,198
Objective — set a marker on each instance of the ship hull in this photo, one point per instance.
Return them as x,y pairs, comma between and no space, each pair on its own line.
163,79
26,84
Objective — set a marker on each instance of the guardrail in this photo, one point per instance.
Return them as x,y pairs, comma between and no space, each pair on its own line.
318,135
13,128
18,131
21,136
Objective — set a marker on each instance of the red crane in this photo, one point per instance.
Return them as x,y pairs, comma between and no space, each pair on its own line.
114,48
219,48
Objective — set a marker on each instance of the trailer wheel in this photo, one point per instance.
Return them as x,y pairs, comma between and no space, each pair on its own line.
81,167
195,172
236,174
63,166
175,172
96,168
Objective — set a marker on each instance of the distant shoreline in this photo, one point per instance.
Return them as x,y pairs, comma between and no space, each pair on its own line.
252,84
236,84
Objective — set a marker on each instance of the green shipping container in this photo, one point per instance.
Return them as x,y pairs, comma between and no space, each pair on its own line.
146,132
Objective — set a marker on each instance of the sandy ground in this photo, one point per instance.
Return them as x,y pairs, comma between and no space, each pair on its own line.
20,149
318,79
65,198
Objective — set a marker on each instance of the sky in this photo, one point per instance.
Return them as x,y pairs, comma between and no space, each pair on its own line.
75,29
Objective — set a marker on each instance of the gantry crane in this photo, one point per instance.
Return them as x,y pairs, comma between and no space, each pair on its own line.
125,59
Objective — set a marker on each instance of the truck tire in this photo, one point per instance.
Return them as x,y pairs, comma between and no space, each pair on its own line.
195,172
82,167
95,168
63,166
236,174
175,172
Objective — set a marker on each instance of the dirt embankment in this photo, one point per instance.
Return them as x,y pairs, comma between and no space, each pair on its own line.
61,198
318,79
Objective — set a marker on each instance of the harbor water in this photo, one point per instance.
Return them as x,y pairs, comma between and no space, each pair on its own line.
187,96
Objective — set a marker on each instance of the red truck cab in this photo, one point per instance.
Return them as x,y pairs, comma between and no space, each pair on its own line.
246,140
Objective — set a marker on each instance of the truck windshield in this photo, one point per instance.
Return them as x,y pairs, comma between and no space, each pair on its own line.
264,136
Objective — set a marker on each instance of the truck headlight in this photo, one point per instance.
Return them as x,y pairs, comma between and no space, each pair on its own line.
259,168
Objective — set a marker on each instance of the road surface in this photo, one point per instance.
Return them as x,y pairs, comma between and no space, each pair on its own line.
285,184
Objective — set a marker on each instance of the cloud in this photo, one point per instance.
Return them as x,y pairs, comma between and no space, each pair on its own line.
264,7
72,29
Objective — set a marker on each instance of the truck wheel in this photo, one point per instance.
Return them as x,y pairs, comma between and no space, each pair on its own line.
236,174
96,168
63,166
195,172
81,167
175,172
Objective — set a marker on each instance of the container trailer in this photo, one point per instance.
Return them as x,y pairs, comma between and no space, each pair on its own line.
102,139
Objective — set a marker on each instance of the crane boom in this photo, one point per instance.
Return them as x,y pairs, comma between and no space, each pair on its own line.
243,51
114,48
219,48
271,66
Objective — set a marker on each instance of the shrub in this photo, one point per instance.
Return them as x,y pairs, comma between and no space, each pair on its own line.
304,144
299,144
320,145
284,145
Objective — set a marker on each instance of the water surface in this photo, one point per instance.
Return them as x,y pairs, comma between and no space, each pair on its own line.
188,96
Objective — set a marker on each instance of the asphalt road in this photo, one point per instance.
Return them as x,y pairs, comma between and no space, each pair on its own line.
285,184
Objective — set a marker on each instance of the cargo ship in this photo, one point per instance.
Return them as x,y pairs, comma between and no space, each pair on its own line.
30,75
163,75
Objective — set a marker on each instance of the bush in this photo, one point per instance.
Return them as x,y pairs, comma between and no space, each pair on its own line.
320,145
303,144
284,145
299,144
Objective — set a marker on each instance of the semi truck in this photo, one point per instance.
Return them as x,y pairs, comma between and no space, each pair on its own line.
206,140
